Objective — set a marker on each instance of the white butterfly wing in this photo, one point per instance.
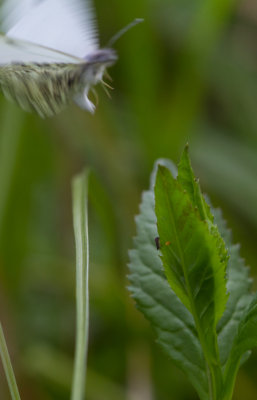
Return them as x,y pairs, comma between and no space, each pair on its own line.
68,26
12,11
21,52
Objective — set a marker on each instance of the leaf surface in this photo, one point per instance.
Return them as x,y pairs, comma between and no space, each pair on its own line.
245,340
238,287
190,257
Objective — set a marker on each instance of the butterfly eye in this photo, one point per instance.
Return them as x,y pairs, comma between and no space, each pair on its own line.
102,56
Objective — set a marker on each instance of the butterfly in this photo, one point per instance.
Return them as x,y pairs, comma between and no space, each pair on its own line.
50,54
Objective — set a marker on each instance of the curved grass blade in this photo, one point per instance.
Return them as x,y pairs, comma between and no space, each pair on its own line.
8,367
80,222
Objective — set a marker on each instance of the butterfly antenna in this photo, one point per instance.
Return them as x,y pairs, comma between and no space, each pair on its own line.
124,30
105,87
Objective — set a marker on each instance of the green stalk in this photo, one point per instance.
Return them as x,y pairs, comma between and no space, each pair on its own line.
80,222
8,367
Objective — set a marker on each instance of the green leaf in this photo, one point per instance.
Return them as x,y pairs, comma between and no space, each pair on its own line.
245,340
238,286
190,257
80,221
238,281
172,322
166,163
188,181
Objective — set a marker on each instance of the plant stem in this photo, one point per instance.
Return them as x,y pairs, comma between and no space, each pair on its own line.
8,367
80,221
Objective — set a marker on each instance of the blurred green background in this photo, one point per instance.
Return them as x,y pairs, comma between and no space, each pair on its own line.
189,73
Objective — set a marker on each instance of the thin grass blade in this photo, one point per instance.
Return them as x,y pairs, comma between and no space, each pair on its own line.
8,369
80,222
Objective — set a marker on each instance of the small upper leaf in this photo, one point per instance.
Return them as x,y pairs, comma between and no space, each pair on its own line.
190,257
188,181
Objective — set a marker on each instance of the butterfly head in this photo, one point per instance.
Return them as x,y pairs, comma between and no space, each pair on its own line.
95,66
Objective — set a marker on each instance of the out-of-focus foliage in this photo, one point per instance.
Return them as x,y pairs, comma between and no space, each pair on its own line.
187,74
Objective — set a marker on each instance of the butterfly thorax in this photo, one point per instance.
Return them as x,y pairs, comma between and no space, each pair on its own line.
95,65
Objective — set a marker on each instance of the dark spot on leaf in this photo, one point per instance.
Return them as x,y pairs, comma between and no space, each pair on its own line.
157,242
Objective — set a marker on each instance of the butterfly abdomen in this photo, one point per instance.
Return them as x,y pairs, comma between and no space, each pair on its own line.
44,88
